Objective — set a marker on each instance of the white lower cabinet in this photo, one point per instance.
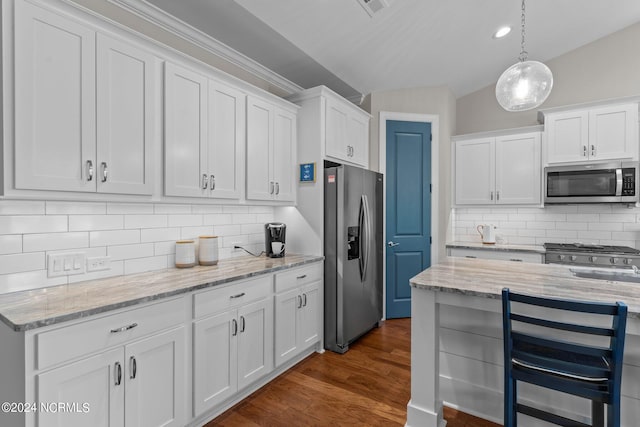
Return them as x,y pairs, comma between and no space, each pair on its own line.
140,384
298,312
232,348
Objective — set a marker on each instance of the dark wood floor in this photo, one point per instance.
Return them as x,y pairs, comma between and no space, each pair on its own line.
368,386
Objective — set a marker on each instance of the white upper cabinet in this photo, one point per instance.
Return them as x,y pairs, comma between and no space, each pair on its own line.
271,145
55,87
502,170
204,134
80,127
333,128
126,94
599,133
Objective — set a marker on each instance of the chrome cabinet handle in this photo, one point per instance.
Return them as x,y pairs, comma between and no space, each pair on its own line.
242,323
593,150
515,259
117,373
234,322
497,195
469,256
304,297
212,182
584,151
204,181
299,301
237,295
301,277
124,328
392,244
491,195
277,188
271,187
105,171
89,170
133,367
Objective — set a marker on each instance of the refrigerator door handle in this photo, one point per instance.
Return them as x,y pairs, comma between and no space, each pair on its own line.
361,241
367,224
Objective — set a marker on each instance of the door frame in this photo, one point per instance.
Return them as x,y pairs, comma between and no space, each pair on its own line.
434,120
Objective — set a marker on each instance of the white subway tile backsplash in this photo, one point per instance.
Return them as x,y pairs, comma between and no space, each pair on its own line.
194,232
164,248
10,244
14,224
606,226
261,209
95,222
551,217
244,218
527,232
140,250
541,225
560,209
184,220
264,218
129,208
252,228
116,237
28,280
235,209
18,263
172,209
13,207
566,234
139,265
227,230
54,241
159,234
625,235
206,209
583,218
145,221
117,269
618,217
75,208
218,218
599,208
572,225
593,236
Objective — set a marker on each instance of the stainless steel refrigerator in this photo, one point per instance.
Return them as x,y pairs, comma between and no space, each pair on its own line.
353,254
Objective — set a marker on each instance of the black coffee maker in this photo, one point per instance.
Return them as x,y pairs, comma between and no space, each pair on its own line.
274,236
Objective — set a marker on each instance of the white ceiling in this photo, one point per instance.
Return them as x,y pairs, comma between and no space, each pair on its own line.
412,43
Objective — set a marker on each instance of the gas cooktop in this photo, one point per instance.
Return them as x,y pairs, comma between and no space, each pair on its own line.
590,248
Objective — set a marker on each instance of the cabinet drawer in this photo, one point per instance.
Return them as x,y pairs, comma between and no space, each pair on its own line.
220,299
516,256
84,338
298,276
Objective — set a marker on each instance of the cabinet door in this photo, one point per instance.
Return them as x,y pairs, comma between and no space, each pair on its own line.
92,381
126,113
613,132
185,136
260,185
54,102
358,137
518,169
215,358
475,172
255,341
310,315
155,380
567,136
286,325
336,143
284,150
226,140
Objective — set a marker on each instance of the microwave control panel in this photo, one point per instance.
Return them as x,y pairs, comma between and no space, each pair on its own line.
628,182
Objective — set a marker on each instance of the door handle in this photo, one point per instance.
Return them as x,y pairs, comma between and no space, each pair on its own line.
392,244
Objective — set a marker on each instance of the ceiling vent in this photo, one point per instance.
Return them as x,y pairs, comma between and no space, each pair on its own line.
373,6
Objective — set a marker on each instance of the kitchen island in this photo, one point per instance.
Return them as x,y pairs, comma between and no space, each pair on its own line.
456,337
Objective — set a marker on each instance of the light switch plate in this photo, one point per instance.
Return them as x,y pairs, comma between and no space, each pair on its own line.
66,264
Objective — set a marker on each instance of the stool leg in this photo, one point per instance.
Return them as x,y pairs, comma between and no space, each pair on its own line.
597,414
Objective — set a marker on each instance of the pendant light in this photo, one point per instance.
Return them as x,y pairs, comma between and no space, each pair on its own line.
526,84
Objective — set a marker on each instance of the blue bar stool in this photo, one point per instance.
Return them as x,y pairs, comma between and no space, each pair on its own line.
540,358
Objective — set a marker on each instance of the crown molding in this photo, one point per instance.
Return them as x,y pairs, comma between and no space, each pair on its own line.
179,28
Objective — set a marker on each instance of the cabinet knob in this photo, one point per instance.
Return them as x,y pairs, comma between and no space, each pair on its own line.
204,181
89,170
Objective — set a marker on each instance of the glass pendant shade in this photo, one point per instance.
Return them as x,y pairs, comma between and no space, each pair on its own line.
524,86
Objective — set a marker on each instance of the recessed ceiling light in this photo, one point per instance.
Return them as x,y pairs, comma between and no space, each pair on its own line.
501,32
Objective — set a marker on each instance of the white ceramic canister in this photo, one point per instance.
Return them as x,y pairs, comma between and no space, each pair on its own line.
208,251
185,253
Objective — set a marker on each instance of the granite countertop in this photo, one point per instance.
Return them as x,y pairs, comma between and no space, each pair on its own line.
26,310
487,278
497,247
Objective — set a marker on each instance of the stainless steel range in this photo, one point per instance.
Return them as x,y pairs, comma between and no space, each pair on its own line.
591,255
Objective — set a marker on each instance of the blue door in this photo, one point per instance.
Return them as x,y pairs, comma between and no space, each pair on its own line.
408,210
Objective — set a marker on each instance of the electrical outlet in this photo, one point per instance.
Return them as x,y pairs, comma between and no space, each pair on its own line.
99,263
66,264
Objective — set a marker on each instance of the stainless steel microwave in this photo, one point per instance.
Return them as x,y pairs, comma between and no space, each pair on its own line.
612,182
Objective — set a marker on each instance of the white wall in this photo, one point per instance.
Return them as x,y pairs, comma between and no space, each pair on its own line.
437,101
137,236
604,224
606,68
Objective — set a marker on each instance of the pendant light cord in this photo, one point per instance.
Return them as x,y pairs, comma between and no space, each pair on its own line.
523,53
